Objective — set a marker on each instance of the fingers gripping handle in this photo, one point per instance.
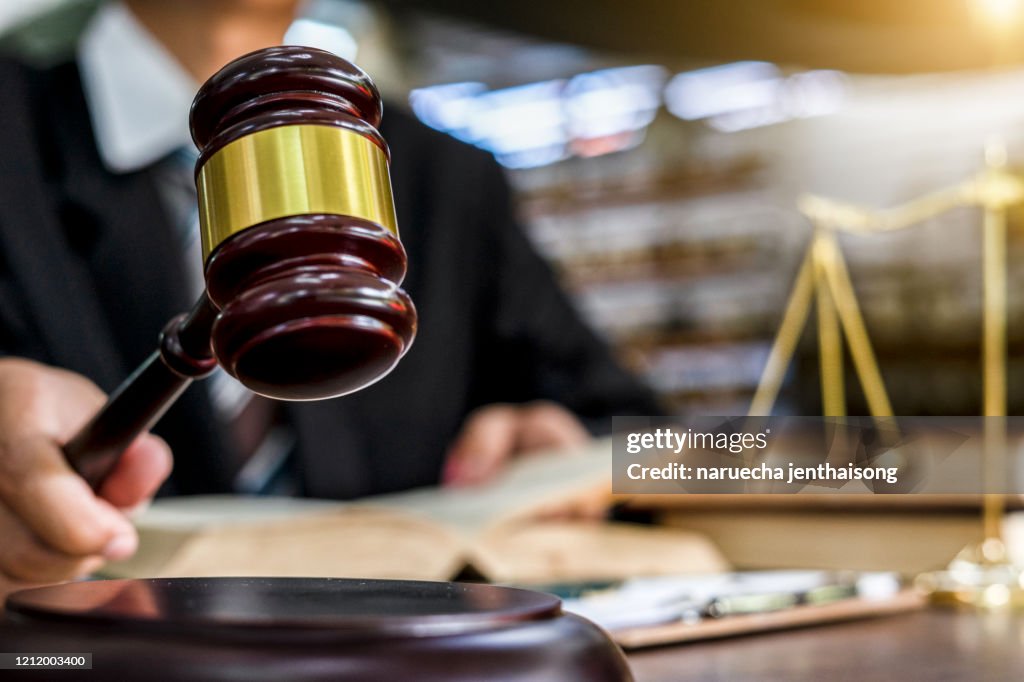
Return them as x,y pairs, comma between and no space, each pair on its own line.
142,399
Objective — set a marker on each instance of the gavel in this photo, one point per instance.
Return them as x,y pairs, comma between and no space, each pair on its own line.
302,302
302,259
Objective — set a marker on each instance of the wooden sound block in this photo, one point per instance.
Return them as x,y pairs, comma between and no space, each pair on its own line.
302,629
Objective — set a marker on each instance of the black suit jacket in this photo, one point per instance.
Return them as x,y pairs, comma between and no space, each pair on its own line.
90,272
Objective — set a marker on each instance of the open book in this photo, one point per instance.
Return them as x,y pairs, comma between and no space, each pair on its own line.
507,530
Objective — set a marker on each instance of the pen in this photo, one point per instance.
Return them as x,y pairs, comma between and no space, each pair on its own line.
741,604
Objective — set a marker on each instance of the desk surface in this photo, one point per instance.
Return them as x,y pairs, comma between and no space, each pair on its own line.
929,645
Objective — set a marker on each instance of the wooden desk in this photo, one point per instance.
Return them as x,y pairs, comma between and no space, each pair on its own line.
932,645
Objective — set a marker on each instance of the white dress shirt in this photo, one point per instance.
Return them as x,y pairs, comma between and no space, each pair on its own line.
138,94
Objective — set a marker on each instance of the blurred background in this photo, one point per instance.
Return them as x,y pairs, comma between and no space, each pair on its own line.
658,149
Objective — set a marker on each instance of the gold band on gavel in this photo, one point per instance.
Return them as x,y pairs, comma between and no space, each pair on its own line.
292,170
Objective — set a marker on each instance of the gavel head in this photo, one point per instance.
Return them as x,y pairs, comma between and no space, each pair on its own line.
300,241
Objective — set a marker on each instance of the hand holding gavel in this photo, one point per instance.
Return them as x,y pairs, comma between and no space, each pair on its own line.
302,257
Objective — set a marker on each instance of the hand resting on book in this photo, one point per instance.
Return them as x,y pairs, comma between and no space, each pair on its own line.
494,434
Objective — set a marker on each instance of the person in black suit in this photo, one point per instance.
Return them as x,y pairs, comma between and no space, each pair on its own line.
91,267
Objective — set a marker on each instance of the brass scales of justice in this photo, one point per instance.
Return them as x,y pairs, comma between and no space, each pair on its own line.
981,575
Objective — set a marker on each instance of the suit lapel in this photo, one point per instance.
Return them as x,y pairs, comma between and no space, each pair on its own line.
135,259
136,263
52,281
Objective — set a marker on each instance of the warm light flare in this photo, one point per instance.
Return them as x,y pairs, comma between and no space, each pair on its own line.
998,13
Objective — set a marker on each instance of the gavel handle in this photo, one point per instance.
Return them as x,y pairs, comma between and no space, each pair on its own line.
140,401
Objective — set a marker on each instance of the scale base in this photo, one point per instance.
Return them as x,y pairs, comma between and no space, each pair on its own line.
981,576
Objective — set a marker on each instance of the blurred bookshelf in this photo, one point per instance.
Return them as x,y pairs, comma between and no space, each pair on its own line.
682,268
677,232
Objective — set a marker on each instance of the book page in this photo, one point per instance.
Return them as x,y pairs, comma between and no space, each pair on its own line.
580,550
346,543
225,536
427,533
529,485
